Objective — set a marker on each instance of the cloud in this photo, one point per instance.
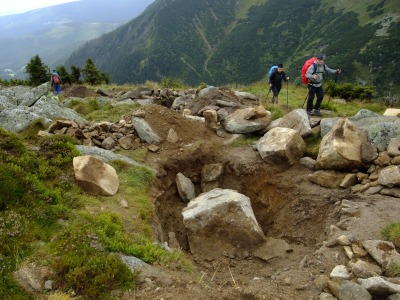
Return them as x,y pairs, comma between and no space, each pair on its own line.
10,7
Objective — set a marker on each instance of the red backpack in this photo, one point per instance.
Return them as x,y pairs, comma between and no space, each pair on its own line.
304,69
56,80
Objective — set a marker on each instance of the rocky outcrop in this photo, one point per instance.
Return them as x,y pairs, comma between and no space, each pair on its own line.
21,106
379,129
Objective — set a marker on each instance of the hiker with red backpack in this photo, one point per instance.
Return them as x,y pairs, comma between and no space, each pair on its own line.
56,82
314,75
275,81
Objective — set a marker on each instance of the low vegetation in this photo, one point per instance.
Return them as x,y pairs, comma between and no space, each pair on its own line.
46,219
391,232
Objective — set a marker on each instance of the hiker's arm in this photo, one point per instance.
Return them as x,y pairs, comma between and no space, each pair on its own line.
285,78
329,70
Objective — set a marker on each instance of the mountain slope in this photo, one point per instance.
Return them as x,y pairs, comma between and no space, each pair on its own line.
55,32
236,41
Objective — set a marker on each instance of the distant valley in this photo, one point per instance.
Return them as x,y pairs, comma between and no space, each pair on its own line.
55,32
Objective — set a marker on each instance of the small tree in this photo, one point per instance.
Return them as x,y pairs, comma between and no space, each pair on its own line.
75,74
90,73
105,77
37,71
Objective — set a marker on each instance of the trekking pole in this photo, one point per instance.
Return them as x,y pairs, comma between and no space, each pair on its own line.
266,100
336,78
308,88
287,94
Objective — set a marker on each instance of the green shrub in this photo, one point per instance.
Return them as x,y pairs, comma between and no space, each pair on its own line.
59,150
81,264
349,91
171,83
92,274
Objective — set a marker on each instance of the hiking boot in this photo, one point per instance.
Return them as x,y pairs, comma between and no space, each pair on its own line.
317,113
310,113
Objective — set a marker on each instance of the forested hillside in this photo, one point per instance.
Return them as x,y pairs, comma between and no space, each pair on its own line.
236,41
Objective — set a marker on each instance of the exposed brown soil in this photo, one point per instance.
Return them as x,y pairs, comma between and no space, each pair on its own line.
285,203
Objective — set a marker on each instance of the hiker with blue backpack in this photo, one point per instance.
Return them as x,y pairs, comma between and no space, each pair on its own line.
315,76
56,82
276,75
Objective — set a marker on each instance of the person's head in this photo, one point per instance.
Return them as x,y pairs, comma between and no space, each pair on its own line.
280,68
320,59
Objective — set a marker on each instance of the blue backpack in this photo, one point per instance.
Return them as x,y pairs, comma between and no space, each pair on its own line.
272,70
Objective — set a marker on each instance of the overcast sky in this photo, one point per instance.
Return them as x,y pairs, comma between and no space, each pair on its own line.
10,7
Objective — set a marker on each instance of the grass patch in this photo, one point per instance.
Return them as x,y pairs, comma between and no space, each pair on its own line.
391,232
245,140
110,113
313,142
394,270
138,155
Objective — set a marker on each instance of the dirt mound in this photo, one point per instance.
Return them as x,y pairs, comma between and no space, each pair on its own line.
78,91
162,120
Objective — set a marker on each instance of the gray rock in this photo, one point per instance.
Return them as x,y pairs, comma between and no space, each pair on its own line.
352,291
363,269
281,145
221,220
145,131
185,187
340,272
379,286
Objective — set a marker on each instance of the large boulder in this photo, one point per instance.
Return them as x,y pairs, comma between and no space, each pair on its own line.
95,176
221,221
281,145
340,149
297,119
247,120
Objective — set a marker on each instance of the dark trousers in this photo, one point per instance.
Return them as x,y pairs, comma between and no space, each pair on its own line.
276,89
57,89
312,91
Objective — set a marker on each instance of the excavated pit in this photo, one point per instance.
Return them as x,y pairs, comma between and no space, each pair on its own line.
285,204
